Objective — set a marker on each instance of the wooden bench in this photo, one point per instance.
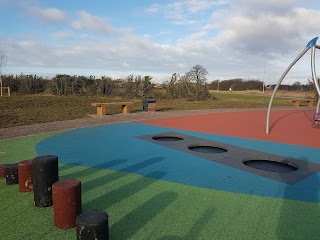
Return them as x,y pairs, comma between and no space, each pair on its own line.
309,102
102,107
149,105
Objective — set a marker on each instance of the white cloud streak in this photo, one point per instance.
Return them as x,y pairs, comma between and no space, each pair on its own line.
183,12
46,14
91,23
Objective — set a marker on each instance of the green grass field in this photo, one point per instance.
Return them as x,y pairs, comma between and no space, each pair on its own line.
20,110
146,208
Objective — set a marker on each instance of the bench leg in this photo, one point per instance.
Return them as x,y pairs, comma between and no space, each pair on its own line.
310,103
295,103
151,107
101,110
125,109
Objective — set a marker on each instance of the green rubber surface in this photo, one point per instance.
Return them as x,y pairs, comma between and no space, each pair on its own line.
146,208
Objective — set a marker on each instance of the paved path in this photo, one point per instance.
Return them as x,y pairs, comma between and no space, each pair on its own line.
94,120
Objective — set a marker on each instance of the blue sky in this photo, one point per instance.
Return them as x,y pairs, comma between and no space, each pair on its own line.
230,38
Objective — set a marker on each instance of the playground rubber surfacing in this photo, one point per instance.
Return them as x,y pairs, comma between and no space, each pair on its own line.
293,136
155,191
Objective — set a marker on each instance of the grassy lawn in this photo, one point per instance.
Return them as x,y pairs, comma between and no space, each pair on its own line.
20,110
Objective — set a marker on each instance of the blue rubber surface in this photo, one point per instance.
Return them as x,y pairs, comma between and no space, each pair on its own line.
116,147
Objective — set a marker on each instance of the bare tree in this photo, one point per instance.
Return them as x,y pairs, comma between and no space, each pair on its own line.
146,87
171,86
198,75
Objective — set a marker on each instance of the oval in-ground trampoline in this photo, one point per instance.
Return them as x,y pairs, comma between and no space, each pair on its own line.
270,166
167,138
207,149
279,168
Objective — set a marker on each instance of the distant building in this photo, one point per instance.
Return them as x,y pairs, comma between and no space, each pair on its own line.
157,85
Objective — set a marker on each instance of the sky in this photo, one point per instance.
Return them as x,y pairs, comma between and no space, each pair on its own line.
249,39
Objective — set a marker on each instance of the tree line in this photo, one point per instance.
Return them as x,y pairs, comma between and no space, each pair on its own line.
63,84
190,85
241,85
236,84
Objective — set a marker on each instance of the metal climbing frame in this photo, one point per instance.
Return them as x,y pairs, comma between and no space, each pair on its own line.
311,45
316,82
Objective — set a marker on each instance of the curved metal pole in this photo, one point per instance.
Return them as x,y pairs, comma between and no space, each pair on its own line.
314,77
279,82
313,68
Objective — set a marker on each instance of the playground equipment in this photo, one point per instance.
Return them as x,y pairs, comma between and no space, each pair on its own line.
311,45
6,89
3,88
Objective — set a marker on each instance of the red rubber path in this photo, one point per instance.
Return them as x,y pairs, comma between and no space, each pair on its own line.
286,126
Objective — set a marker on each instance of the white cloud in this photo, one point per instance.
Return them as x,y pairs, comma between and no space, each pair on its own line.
61,35
235,42
184,12
257,7
154,8
195,6
209,26
196,36
181,65
268,32
27,43
164,33
176,12
47,14
89,22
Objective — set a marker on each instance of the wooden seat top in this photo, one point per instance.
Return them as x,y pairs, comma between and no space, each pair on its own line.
112,103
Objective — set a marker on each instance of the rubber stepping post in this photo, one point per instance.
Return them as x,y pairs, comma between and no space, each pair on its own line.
44,175
67,203
12,174
92,224
3,168
25,176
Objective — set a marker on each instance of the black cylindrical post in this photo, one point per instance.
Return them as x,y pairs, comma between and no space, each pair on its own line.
92,224
45,174
12,174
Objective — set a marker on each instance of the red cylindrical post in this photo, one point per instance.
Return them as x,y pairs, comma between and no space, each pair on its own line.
3,168
67,203
25,176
